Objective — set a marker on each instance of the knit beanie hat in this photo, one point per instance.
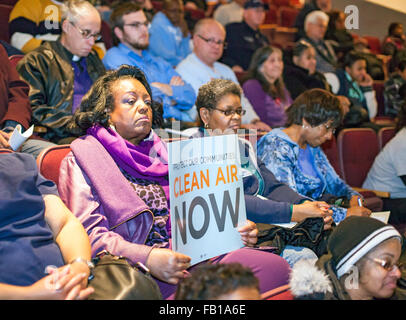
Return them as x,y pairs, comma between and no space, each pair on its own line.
354,237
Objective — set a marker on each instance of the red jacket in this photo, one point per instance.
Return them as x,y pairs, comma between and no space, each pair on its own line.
14,103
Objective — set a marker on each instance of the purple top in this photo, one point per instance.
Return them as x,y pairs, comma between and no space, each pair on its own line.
81,84
271,111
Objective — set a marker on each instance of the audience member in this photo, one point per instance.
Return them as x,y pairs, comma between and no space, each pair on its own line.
61,72
315,28
169,37
130,27
38,233
230,12
244,38
202,65
356,84
293,154
395,40
337,32
129,215
15,107
264,87
299,73
33,22
312,5
211,6
388,172
266,199
362,264
392,97
230,281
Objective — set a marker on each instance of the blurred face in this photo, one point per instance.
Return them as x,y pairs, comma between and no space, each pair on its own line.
340,22
243,293
217,120
174,11
317,30
79,36
398,31
209,43
254,17
375,280
132,113
307,60
135,30
272,68
324,5
358,70
316,136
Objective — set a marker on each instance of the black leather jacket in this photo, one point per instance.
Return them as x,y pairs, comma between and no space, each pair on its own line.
49,73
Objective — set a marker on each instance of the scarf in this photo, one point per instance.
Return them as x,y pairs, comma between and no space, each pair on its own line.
148,160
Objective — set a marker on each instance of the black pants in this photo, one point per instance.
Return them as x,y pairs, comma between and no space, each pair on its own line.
397,207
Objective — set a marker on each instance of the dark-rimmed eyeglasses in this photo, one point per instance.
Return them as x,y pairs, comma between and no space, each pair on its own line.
137,24
387,265
231,112
86,34
212,41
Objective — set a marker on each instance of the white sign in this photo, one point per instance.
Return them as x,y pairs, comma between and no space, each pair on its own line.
206,196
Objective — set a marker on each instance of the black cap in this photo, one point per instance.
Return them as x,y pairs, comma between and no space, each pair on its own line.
255,4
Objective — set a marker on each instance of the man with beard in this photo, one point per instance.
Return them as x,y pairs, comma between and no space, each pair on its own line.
130,31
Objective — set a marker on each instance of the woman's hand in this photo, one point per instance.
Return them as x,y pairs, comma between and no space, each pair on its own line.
358,211
167,265
249,233
60,284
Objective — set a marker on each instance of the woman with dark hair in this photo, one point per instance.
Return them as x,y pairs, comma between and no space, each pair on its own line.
388,172
264,88
115,180
301,74
294,156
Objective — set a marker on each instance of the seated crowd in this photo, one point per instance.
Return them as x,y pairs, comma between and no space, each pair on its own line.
194,78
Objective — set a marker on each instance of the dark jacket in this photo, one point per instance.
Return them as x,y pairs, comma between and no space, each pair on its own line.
48,71
297,80
242,42
14,103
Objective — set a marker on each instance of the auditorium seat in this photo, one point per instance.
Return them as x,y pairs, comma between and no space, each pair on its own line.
4,16
374,44
271,16
49,161
287,16
384,135
106,35
331,151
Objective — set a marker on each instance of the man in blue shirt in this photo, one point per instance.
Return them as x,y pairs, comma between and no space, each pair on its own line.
130,30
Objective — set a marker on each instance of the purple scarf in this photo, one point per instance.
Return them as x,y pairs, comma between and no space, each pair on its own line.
148,160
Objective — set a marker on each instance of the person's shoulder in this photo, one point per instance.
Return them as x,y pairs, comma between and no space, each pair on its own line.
234,26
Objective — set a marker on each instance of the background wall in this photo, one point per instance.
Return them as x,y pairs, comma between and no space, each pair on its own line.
375,15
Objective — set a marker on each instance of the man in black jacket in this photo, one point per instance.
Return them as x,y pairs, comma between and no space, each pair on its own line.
61,72
244,38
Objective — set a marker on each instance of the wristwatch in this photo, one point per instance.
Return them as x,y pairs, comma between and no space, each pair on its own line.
88,263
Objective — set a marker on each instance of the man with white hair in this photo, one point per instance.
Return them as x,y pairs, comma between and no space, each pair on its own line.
315,28
313,5
61,72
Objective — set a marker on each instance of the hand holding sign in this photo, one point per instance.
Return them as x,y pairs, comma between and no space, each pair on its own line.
249,233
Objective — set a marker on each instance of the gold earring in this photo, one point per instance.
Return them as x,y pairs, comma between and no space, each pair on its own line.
206,126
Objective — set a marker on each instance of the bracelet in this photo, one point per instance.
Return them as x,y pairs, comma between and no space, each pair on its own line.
87,262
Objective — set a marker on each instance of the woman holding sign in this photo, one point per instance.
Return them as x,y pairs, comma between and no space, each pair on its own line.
115,181
267,200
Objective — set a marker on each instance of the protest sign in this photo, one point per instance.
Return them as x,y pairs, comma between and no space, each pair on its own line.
206,196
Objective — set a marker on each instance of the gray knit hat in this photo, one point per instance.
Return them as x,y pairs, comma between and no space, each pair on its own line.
354,237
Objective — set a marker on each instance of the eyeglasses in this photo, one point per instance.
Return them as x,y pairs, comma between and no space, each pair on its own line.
328,127
86,34
137,24
388,266
212,41
231,112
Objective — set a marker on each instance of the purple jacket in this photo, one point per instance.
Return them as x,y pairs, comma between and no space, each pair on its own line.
268,110
95,190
